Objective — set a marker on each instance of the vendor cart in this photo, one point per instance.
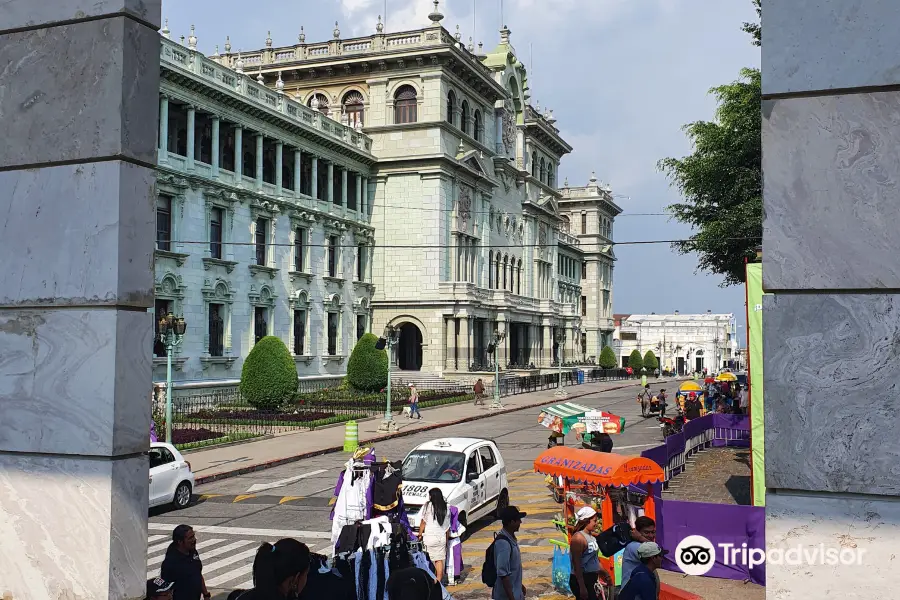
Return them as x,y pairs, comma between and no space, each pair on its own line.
559,419
619,487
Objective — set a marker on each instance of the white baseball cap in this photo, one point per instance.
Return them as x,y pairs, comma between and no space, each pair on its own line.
585,512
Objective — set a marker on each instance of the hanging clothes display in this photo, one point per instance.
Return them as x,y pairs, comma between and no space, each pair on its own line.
353,502
454,563
386,480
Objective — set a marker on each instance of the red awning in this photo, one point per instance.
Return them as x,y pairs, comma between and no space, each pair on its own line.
600,468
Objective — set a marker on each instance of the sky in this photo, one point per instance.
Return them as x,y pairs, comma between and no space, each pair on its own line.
621,76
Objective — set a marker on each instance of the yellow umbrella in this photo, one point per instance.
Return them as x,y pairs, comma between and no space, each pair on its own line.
726,377
690,386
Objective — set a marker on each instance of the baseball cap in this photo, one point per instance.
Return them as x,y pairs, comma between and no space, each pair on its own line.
650,549
158,586
585,512
512,513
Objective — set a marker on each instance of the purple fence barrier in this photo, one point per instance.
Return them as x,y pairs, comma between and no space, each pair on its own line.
724,525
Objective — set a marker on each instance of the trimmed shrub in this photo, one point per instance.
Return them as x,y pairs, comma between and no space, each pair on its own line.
608,358
269,376
367,369
650,361
635,361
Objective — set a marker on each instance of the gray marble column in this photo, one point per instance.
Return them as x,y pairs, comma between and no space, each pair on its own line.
314,175
75,334
239,153
343,187
364,203
259,161
330,184
163,128
216,133
359,193
298,164
191,136
279,165
831,321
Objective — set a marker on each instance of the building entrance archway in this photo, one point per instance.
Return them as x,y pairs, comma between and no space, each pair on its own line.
409,350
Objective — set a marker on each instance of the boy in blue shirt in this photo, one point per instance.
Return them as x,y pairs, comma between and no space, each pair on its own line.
642,583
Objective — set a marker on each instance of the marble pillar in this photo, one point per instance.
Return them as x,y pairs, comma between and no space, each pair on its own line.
830,133
259,160
191,136
216,144
239,153
163,129
314,178
75,334
298,168
279,167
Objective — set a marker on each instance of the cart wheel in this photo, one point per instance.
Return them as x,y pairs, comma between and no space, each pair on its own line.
558,496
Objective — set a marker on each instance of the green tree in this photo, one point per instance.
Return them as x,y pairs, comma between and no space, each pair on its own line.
635,361
367,369
607,358
753,28
721,182
269,376
650,362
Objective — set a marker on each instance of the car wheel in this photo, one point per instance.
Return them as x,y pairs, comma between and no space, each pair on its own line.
182,495
502,503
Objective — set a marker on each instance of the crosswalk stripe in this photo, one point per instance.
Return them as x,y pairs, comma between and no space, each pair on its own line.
527,525
523,549
247,585
531,581
229,560
268,533
240,572
200,546
519,536
156,538
157,547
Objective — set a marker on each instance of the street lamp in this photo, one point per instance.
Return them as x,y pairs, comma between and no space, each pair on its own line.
389,339
560,344
171,333
493,347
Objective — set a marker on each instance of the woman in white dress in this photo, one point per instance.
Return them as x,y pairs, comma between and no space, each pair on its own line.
434,530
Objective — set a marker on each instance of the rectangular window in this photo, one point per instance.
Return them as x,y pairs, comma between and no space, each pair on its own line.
583,223
333,333
361,263
337,189
161,309
299,332
361,323
216,329
332,256
164,223
260,323
584,270
262,226
300,250
216,220
584,306
351,190
628,336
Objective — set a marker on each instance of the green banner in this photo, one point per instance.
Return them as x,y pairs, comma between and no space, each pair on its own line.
757,416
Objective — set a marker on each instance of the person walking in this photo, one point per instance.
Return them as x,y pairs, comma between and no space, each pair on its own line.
662,402
280,571
434,530
414,402
644,530
508,558
479,392
744,402
182,566
586,570
159,589
644,582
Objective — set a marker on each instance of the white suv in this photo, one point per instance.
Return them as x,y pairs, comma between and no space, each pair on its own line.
469,472
171,479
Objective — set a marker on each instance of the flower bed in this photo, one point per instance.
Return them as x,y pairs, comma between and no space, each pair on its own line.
252,417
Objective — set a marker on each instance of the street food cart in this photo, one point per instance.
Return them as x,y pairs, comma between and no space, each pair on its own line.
618,487
560,418
686,389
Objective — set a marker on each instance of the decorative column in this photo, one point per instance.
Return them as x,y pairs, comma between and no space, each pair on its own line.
330,196
449,329
163,129
343,187
359,194
191,136
239,153
279,167
298,169
216,123
259,161
314,184
73,464
467,338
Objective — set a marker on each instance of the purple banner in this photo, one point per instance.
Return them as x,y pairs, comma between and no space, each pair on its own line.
724,525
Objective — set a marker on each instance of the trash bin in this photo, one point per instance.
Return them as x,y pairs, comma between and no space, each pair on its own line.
580,377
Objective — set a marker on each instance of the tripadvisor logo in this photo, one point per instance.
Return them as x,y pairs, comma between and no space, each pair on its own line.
696,555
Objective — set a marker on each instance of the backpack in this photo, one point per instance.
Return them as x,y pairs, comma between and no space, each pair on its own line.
489,568
614,539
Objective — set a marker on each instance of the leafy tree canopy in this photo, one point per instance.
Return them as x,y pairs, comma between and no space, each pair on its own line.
367,369
608,358
269,375
635,361
650,361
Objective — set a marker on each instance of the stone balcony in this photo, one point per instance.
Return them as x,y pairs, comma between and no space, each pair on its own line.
463,292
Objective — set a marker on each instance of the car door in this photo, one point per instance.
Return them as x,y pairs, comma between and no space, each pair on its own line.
477,489
163,475
490,466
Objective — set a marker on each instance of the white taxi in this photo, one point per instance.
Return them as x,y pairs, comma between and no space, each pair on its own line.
171,479
469,472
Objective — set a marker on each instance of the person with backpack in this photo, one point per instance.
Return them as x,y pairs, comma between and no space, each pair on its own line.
644,531
502,569
586,570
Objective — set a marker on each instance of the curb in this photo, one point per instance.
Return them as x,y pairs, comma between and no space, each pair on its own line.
391,436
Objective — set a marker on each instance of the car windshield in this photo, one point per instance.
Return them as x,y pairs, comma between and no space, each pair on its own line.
434,465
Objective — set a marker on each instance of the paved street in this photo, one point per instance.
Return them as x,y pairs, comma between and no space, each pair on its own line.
720,475
233,515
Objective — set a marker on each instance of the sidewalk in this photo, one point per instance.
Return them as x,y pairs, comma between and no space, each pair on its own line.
230,461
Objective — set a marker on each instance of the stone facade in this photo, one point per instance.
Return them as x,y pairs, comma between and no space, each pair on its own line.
256,193
465,201
830,123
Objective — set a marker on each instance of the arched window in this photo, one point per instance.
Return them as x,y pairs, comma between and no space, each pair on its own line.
405,104
497,271
491,270
534,164
550,180
479,127
318,102
451,107
543,171
354,108
505,266
464,118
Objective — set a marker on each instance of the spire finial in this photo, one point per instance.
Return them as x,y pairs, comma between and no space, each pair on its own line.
279,85
471,45
217,51
302,36
458,34
239,65
504,35
337,31
593,180
380,27
436,17
260,78
182,40
551,118
480,47
566,183
165,30
192,40
269,40
227,44
460,149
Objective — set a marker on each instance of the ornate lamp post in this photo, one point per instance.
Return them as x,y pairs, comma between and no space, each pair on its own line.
389,339
171,333
561,345
494,347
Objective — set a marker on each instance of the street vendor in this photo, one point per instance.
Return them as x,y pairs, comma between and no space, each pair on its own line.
586,569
